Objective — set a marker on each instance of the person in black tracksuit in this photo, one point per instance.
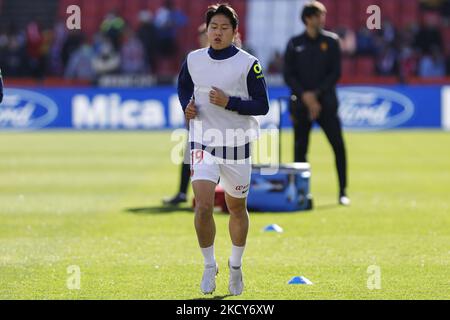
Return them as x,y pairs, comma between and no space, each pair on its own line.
312,67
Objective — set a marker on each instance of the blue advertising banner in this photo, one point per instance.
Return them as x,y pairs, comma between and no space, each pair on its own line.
363,108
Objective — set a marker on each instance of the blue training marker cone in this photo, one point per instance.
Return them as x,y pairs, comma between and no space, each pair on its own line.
273,228
299,280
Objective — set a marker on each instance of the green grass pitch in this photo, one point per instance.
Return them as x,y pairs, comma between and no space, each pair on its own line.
92,200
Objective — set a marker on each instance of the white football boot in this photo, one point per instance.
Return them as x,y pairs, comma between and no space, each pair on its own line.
344,201
208,284
236,284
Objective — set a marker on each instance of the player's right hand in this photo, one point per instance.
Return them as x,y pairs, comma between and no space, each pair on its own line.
191,111
314,111
312,103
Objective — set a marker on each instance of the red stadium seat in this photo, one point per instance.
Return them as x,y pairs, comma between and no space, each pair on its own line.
153,5
131,11
241,9
344,13
365,66
195,12
167,67
433,18
90,25
409,12
181,4
348,66
330,5
391,10
110,5
89,8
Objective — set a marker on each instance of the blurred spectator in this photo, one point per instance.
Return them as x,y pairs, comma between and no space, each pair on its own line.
388,32
406,36
386,62
428,34
432,64
80,63
112,27
13,54
152,47
47,40
432,4
132,54
14,57
438,6
276,63
147,33
347,40
445,10
407,63
407,56
167,20
72,42
365,44
35,40
55,63
106,60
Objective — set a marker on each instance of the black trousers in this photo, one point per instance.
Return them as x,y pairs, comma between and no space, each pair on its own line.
330,124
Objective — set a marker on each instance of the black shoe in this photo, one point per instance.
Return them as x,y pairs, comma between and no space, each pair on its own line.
176,200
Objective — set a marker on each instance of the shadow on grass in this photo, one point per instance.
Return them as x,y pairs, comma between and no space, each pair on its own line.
212,298
165,210
287,213
172,209
158,210
324,207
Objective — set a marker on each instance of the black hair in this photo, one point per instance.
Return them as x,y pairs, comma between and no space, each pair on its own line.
226,10
312,8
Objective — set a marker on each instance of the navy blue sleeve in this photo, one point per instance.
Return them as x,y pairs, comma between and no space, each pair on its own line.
257,89
185,86
1,87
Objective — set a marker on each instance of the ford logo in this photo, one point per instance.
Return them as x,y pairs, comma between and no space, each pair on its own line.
370,108
26,110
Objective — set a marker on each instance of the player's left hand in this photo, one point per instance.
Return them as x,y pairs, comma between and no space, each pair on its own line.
218,97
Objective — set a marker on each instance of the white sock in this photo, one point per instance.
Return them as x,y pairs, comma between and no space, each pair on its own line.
236,255
208,254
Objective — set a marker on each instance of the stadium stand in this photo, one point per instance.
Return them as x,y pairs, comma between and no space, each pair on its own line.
347,15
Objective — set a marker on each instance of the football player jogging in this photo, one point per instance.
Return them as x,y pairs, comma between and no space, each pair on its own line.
221,88
181,196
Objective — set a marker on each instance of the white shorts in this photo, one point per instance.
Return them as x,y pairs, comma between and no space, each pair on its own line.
233,177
